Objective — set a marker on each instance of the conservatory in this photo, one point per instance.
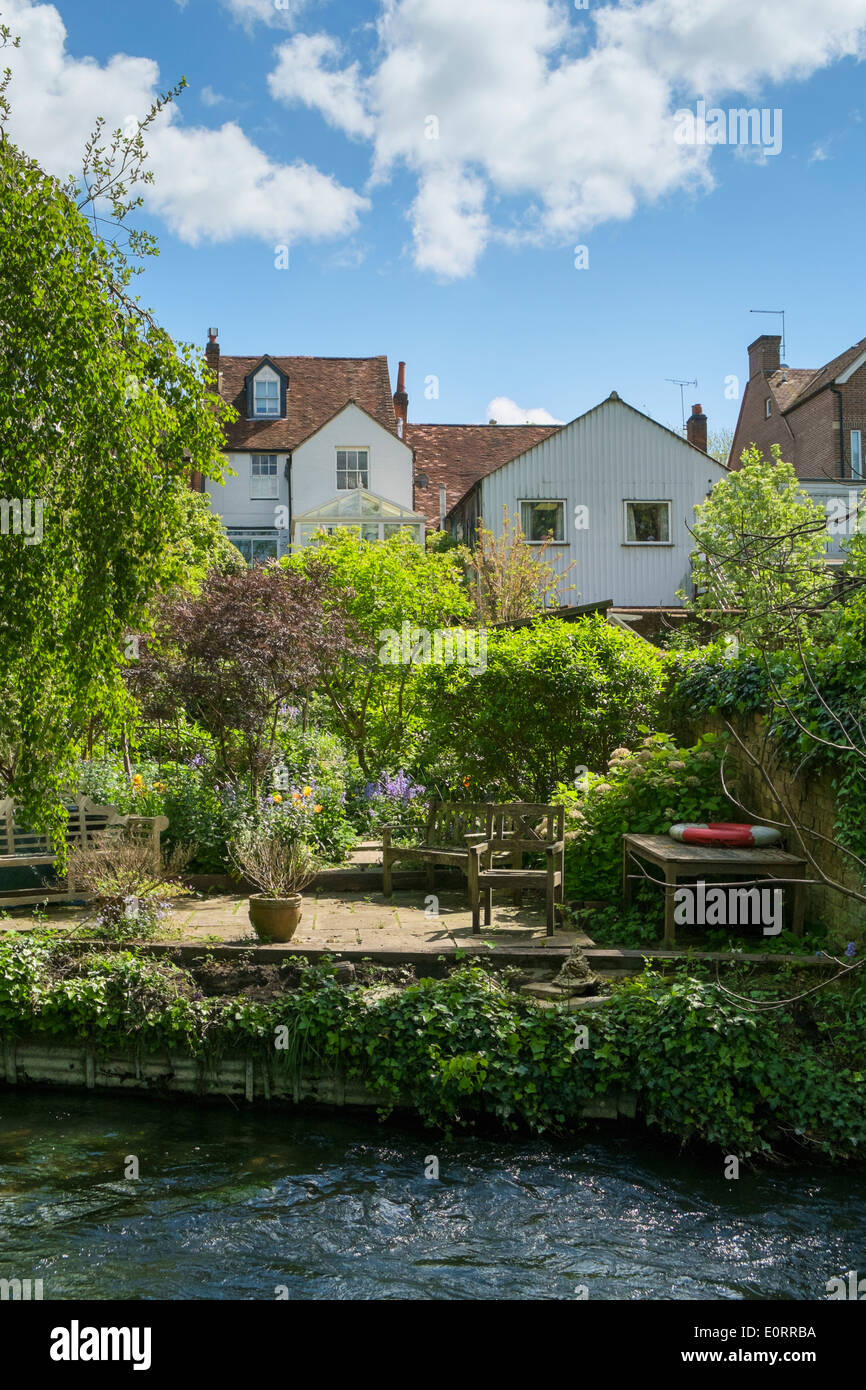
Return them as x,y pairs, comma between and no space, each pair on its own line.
376,517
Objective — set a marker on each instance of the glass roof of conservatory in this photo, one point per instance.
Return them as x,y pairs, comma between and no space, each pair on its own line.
352,505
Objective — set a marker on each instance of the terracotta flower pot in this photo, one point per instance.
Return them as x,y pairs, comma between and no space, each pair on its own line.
275,919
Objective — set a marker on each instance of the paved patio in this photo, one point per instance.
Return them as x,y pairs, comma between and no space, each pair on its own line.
343,920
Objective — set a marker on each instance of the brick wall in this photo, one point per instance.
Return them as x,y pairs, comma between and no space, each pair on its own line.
853,412
815,427
813,802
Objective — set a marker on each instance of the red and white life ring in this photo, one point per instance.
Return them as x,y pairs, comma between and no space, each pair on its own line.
730,834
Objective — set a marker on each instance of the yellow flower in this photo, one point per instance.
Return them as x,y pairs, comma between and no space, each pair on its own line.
276,797
317,809
308,791
137,780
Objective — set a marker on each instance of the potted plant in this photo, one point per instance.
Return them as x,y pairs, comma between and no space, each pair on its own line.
280,868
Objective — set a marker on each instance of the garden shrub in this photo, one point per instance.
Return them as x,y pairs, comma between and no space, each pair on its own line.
553,697
642,793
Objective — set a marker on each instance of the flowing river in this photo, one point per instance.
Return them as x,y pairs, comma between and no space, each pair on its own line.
234,1204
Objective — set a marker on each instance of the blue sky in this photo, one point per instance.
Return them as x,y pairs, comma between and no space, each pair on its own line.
555,130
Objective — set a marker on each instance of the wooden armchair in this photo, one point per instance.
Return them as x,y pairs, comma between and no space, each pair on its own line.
452,827
519,828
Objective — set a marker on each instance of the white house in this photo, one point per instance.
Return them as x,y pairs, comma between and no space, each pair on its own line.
613,494
318,443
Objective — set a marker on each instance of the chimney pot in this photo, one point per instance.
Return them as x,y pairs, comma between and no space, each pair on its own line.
696,428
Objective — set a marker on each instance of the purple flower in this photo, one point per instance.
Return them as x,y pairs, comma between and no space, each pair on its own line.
196,761
850,949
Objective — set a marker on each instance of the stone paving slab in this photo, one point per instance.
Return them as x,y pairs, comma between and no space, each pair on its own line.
343,920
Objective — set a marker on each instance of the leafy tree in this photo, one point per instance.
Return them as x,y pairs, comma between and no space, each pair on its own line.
719,444
760,542
509,578
553,698
200,547
102,418
388,590
235,654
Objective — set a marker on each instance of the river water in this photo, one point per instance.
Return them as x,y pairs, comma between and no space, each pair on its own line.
235,1204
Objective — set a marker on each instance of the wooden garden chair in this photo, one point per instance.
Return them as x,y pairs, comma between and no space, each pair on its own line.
452,827
519,828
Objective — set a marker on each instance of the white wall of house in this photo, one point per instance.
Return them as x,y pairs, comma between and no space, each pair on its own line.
233,499
314,472
314,466
600,461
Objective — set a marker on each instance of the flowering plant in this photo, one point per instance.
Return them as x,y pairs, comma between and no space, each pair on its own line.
643,792
398,802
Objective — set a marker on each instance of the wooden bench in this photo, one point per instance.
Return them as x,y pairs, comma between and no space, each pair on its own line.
676,860
519,827
89,825
452,826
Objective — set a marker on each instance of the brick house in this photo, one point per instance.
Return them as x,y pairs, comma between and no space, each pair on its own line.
816,415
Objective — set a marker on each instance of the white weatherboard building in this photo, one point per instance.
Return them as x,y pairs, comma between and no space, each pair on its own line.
614,494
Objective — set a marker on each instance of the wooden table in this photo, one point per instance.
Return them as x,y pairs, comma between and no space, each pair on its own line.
676,860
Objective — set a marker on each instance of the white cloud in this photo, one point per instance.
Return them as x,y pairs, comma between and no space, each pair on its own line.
305,75
550,120
210,97
273,12
507,412
209,185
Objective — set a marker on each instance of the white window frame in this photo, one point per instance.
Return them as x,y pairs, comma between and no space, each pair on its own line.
348,449
261,380
258,492
646,502
857,455
768,407
546,502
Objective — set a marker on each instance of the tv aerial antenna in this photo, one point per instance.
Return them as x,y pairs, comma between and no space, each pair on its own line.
778,313
677,381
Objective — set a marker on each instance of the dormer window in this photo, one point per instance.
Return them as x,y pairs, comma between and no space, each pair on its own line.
768,408
266,400
266,388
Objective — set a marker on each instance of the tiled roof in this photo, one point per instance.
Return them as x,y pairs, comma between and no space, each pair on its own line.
787,383
458,455
803,382
318,388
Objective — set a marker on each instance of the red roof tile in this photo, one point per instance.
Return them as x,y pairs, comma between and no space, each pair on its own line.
802,383
318,388
458,455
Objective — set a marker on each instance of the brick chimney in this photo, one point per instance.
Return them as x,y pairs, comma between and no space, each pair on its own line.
212,351
401,399
696,428
765,354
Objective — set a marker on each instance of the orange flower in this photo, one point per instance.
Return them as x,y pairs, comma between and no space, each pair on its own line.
466,781
276,797
317,809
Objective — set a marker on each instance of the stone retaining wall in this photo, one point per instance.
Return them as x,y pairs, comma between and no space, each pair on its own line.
812,800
